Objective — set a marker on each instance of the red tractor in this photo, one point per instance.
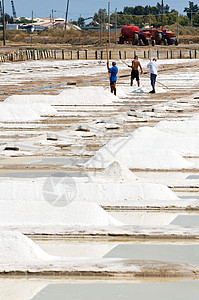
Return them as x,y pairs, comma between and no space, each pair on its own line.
130,34
133,34
158,36
169,37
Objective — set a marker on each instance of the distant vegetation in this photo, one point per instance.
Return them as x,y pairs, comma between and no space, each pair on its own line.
140,15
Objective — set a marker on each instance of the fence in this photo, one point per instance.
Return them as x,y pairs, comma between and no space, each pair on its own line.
24,55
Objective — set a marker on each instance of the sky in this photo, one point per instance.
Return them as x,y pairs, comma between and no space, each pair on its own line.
85,8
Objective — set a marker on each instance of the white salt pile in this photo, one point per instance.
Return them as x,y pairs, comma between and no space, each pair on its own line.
195,118
37,205
149,148
17,248
88,96
152,138
17,113
43,109
117,185
188,127
69,96
125,193
45,202
139,159
117,172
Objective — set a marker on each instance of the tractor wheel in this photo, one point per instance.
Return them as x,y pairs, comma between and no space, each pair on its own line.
159,38
176,42
135,38
121,40
145,41
153,42
165,42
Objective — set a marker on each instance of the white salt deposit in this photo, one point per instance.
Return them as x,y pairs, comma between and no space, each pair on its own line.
17,113
69,96
117,172
188,127
17,248
29,204
195,118
43,109
152,138
139,159
88,96
111,193
148,147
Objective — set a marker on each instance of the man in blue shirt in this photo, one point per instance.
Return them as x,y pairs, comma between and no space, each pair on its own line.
113,77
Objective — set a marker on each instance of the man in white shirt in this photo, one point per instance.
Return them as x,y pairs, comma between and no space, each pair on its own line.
153,69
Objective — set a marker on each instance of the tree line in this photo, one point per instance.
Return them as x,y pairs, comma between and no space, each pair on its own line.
140,15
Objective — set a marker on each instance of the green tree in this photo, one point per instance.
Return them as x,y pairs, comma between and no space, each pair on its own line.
23,20
172,17
191,10
101,15
139,21
196,20
139,10
184,20
128,10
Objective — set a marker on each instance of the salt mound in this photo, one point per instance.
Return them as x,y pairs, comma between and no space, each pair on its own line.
88,96
190,126
118,172
17,113
123,193
70,96
140,159
43,109
195,117
17,248
47,204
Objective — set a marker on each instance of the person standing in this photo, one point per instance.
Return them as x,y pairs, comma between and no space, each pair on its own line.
135,72
153,69
113,76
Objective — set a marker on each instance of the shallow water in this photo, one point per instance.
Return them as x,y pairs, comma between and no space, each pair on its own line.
38,160
186,220
181,252
125,290
148,218
39,174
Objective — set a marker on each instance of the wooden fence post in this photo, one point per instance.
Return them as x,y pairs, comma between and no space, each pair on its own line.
63,54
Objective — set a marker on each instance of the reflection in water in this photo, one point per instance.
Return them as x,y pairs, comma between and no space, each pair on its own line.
126,291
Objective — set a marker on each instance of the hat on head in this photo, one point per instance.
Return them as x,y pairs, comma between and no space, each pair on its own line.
114,63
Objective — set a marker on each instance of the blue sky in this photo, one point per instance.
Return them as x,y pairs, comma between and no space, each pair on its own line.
43,8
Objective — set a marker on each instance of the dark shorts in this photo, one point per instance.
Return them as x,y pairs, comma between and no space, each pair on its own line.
153,79
113,83
135,75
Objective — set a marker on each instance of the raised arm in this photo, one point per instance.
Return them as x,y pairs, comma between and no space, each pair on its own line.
108,67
